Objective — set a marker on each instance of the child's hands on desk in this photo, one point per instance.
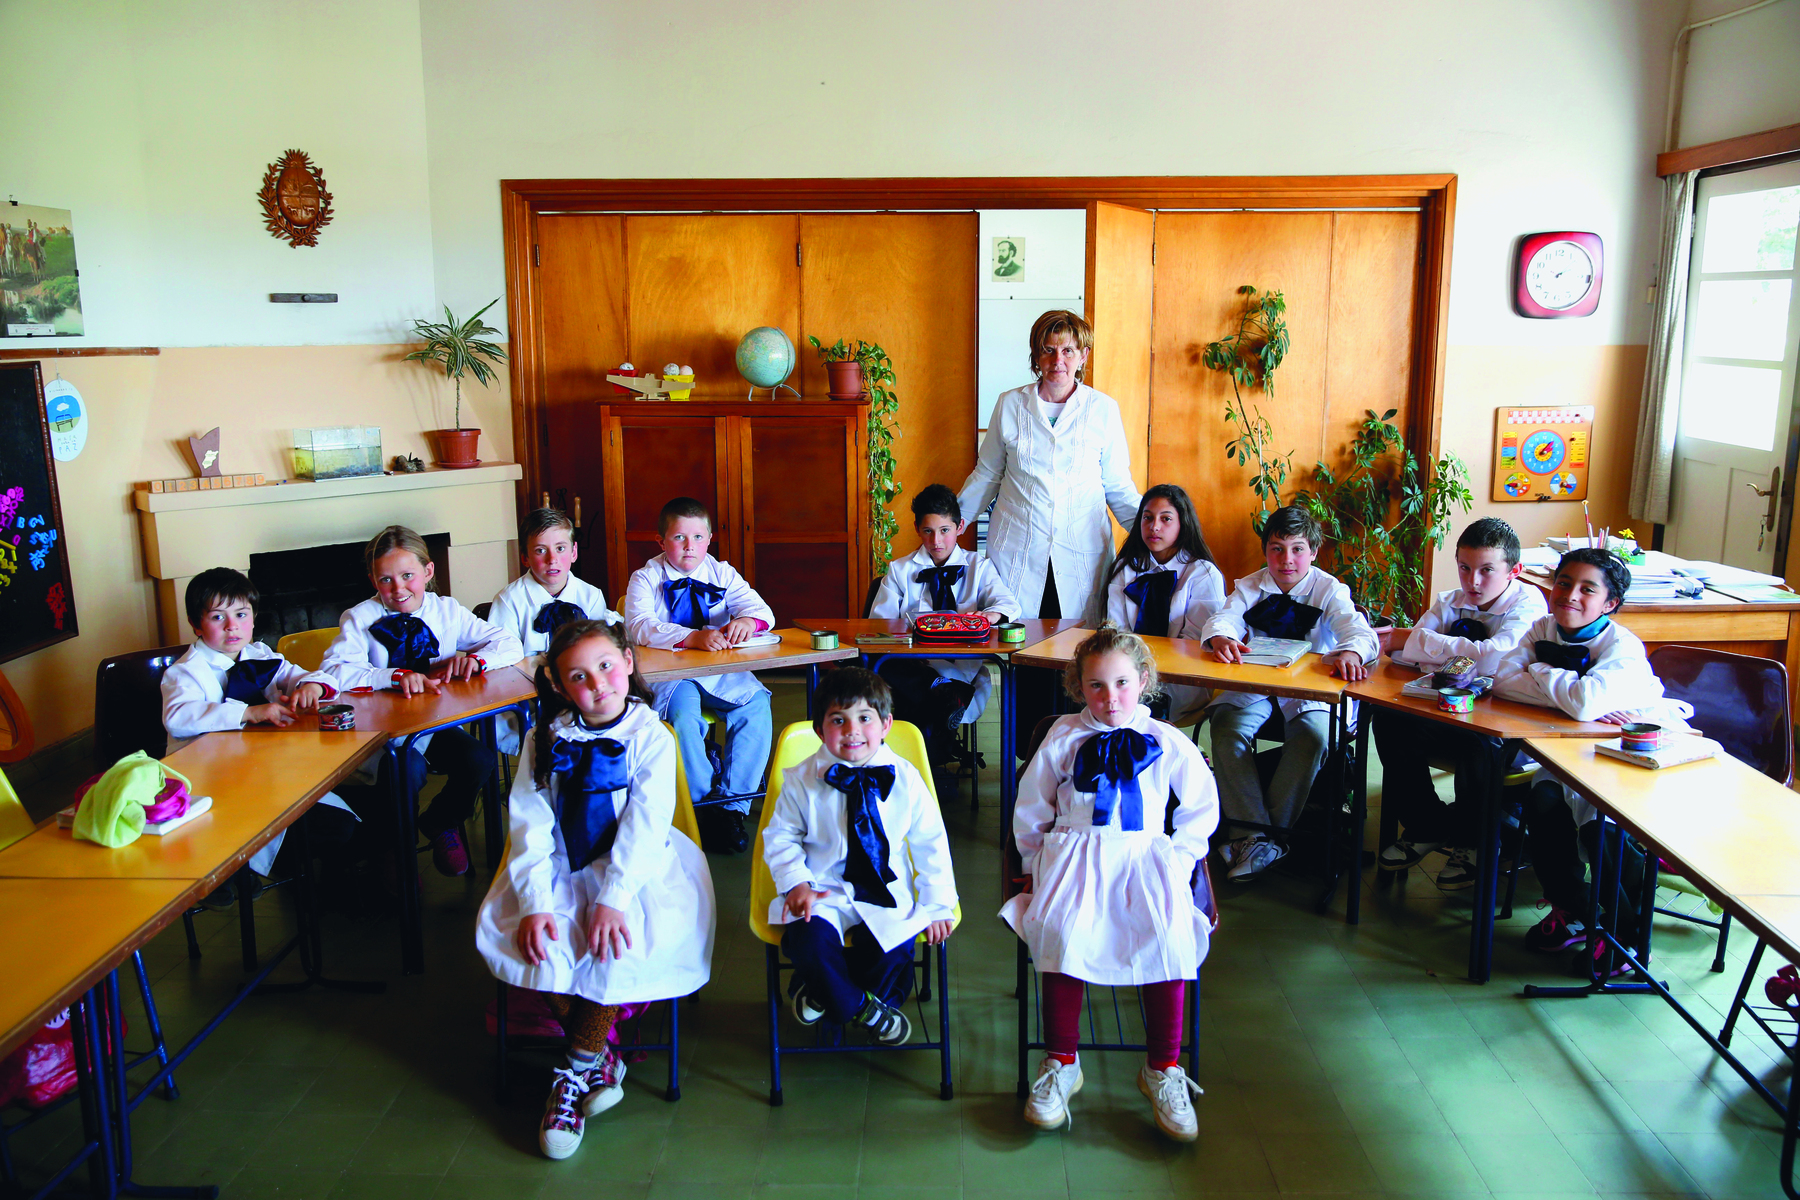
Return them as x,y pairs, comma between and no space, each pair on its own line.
740,630
801,899
706,639
411,683
306,697
1347,664
607,935
276,714
1619,718
1228,649
534,936
462,666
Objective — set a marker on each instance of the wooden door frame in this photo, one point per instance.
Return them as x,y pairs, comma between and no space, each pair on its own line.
522,200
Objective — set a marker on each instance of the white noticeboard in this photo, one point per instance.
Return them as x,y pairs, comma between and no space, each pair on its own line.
66,413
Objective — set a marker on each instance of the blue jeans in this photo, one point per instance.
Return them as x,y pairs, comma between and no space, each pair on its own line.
835,976
748,730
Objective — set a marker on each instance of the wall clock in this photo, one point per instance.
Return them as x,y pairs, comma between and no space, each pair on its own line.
1557,275
295,203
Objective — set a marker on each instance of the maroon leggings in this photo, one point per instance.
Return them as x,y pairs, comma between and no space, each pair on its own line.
1163,1006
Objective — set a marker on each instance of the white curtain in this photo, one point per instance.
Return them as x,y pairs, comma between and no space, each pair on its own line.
1653,464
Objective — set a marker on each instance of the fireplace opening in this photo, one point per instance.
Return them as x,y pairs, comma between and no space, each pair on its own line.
310,588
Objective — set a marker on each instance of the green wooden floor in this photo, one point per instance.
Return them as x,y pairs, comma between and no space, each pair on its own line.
1336,1060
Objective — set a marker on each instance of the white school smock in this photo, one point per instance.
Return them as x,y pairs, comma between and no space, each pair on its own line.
193,696
647,624
980,589
1429,647
356,659
515,610
1199,593
1108,905
1340,627
807,840
654,874
1054,485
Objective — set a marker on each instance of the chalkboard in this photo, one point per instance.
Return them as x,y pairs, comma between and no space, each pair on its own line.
37,606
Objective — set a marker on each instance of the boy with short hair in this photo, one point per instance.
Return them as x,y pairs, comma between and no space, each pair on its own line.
1483,620
686,598
1288,598
856,838
228,680
1581,661
939,694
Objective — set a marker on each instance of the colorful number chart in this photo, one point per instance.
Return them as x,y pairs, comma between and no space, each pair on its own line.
1542,453
37,607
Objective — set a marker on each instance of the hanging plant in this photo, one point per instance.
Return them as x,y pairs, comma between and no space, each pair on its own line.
884,488
1250,357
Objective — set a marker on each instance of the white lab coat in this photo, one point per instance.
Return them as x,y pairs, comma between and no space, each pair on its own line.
807,840
193,695
355,659
981,589
1110,905
653,874
647,624
1341,627
1429,647
1054,486
1199,593
515,609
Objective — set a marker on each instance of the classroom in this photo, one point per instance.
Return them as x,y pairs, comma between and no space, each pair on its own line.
1215,611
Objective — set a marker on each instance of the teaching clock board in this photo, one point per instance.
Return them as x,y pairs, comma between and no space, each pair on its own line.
36,605
1542,453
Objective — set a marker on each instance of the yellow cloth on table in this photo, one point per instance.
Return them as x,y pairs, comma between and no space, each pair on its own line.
15,822
112,812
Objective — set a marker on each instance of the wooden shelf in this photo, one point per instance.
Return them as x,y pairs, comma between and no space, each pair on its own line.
76,351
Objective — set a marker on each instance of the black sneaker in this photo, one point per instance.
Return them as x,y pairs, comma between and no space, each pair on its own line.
887,1025
722,830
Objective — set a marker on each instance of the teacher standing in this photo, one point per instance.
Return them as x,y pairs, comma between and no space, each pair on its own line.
1056,458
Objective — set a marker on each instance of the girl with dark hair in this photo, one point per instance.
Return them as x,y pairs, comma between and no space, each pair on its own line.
1164,583
602,903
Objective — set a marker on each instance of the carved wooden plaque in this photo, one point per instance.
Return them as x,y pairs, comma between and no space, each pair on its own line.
295,203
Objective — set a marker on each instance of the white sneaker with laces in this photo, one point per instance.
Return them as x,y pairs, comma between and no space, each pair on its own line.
1459,872
1169,1094
1047,1106
1233,850
1401,855
559,1134
606,1084
1258,856
804,1010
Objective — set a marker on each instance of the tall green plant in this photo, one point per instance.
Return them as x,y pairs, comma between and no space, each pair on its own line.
883,430
1250,357
459,348
1384,515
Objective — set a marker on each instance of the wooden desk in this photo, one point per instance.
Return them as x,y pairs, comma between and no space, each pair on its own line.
62,936
261,780
1492,717
1775,919
795,650
400,716
1037,630
1180,660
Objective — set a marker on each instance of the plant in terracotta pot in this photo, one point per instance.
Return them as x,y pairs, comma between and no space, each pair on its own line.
843,369
458,346
874,377
1382,516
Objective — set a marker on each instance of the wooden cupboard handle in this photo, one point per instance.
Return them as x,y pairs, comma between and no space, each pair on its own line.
543,499
578,512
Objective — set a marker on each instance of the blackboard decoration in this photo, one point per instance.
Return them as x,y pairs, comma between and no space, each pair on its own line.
37,606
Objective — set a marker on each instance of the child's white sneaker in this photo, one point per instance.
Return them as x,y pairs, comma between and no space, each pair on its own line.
605,1083
1257,857
804,1010
1169,1094
1233,850
559,1134
1047,1106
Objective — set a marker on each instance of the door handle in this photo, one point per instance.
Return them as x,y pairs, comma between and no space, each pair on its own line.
1774,495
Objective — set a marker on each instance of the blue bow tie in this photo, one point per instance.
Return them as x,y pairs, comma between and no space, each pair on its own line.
1282,616
248,679
1107,765
1470,629
555,615
866,867
409,642
591,771
942,581
690,601
1151,592
1570,658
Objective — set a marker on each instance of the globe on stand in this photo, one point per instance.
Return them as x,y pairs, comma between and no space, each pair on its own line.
765,357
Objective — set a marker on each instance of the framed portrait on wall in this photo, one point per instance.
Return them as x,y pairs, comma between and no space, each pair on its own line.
1006,260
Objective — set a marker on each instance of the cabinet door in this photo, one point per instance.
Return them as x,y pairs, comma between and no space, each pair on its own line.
804,513
653,456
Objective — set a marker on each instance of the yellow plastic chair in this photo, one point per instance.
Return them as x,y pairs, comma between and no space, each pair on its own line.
683,822
306,649
796,743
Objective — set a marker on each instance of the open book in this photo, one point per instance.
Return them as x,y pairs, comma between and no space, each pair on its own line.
1275,652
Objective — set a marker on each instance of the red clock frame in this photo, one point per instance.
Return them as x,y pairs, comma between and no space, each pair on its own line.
1529,245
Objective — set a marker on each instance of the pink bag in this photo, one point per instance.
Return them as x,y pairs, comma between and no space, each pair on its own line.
41,1071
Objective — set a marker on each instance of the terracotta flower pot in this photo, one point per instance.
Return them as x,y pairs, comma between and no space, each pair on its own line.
844,380
454,447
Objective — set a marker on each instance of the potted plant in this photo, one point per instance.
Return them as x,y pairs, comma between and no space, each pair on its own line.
1250,357
843,369
1382,516
459,348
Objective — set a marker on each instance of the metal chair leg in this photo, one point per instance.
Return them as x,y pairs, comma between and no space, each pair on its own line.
925,974
193,940
946,1086
1737,1003
501,1091
774,973
1718,962
1024,991
246,893
155,1021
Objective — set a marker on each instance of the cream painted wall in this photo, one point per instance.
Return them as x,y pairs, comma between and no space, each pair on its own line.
1743,75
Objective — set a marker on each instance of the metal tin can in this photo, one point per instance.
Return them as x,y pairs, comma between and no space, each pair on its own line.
1456,700
337,717
1011,631
825,639
1641,737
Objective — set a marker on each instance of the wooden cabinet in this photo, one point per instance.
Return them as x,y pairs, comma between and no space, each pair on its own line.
787,485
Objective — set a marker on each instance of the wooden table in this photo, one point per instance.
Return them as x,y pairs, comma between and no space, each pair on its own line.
795,650
1507,720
